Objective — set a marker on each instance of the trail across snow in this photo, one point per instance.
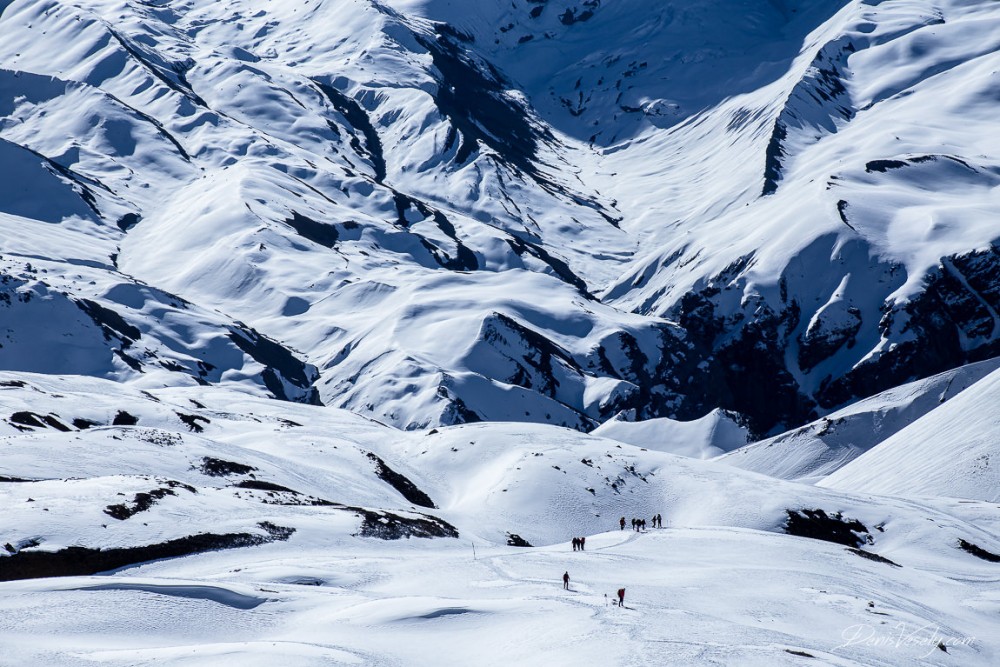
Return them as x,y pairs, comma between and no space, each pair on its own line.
693,596
722,583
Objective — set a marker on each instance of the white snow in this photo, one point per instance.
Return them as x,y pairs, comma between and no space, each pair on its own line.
734,588
432,212
951,452
710,436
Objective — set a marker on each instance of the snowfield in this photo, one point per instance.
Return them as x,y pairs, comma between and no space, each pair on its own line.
732,578
326,326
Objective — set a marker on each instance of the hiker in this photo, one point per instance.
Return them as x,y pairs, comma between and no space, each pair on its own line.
642,524
653,521
659,520
576,543
621,522
635,525
621,597
583,541
566,582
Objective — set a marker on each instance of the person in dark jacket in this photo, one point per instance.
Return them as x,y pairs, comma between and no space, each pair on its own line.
576,543
621,597
566,581
583,542
621,522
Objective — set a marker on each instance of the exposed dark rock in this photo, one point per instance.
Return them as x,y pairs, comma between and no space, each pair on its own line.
281,366
819,99
883,166
823,340
112,324
534,366
220,468
192,421
171,75
872,556
801,654
818,525
978,551
464,259
458,411
124,419
359,120
950,323
515,540
773,156
317,232
261,485
141,503
736,360
128,221
569,17
401,483
83,561
25,418
471,95
559,267
84,424
842,207
390,526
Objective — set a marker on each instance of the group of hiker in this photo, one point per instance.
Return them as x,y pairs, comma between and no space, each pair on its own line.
637,525
621,591
640,524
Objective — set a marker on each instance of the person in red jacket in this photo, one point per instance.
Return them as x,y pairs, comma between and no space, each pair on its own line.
621,597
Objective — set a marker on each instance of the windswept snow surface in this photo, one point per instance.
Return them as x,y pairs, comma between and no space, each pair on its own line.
722,582
705,438
816,450
952,451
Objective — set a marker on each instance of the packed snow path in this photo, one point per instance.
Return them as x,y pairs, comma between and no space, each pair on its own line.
693,596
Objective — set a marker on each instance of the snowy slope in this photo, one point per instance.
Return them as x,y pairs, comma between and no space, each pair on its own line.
710,436
818,449
952,452
312,583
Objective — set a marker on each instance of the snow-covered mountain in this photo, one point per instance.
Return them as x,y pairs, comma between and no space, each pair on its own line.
439,212
820,448
286,284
